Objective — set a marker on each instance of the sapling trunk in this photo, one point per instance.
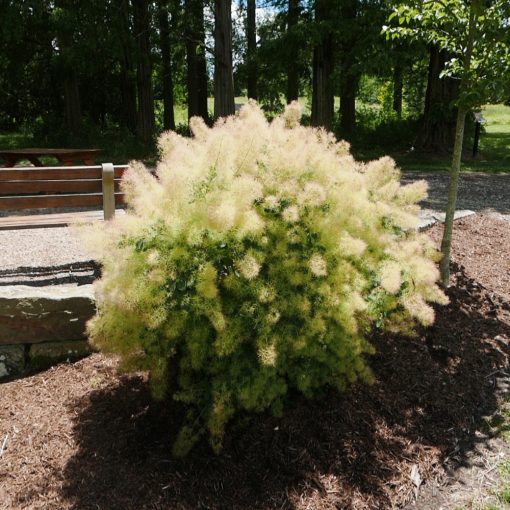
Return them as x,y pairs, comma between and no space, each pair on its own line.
446,242
452,196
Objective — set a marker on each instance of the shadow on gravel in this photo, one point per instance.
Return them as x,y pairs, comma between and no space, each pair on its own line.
79,273
354,450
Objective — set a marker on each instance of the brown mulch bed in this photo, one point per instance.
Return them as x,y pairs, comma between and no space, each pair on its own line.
481,244
80,436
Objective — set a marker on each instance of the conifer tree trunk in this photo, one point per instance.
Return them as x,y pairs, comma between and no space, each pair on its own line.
292,68
128,94
203,80
446,242
349,76
146,121
196,71
398,85
323,65
432,78
191,60
71,91
166,66
437,132
72,102
127,78
223,74
251,32
348,105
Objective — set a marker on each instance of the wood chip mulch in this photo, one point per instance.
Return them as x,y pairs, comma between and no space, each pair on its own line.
481,244
79,436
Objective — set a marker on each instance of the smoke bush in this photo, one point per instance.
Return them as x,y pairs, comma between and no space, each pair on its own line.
255,263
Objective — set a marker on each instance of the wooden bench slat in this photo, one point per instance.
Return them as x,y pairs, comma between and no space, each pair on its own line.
74,186
44,201
56,173
50,220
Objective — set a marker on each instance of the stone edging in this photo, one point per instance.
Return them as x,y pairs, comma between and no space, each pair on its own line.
42,325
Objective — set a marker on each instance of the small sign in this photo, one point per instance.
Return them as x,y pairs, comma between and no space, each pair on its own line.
479,118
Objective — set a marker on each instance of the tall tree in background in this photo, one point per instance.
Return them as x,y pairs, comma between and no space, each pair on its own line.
323,66
349,75
251,48
398,88
292,64
142,27
166,65
224,102
196,74
65,23
437,131
127,76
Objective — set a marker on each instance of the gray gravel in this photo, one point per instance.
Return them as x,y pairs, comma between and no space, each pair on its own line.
40,247
477,191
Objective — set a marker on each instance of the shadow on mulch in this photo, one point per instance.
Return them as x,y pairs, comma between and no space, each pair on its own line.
354,450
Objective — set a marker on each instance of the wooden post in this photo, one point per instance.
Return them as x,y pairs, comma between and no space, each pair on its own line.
108,191
476,138
479,120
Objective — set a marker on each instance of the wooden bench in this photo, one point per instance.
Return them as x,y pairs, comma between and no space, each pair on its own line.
59,187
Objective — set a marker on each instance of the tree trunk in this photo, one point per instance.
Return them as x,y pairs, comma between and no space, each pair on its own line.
146,121
432,78
191,59
128,117
452,197
251,33
398,86
196,72
323,65
166,66
437,132
71,90
203,110
349,77
127,77
292,68
446,242
72,102
224,103
348,105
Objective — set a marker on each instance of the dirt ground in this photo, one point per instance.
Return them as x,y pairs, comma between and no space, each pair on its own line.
79,436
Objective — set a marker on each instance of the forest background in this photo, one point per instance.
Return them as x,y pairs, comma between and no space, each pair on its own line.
114,74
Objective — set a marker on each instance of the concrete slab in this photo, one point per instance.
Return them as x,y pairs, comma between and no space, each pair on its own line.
429,217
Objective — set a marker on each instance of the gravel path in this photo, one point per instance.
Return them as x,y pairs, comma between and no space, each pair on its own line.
40,247
477,191
59,246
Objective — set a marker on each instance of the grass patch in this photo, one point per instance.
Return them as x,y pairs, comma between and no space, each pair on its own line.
494,149
502,495
499,424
